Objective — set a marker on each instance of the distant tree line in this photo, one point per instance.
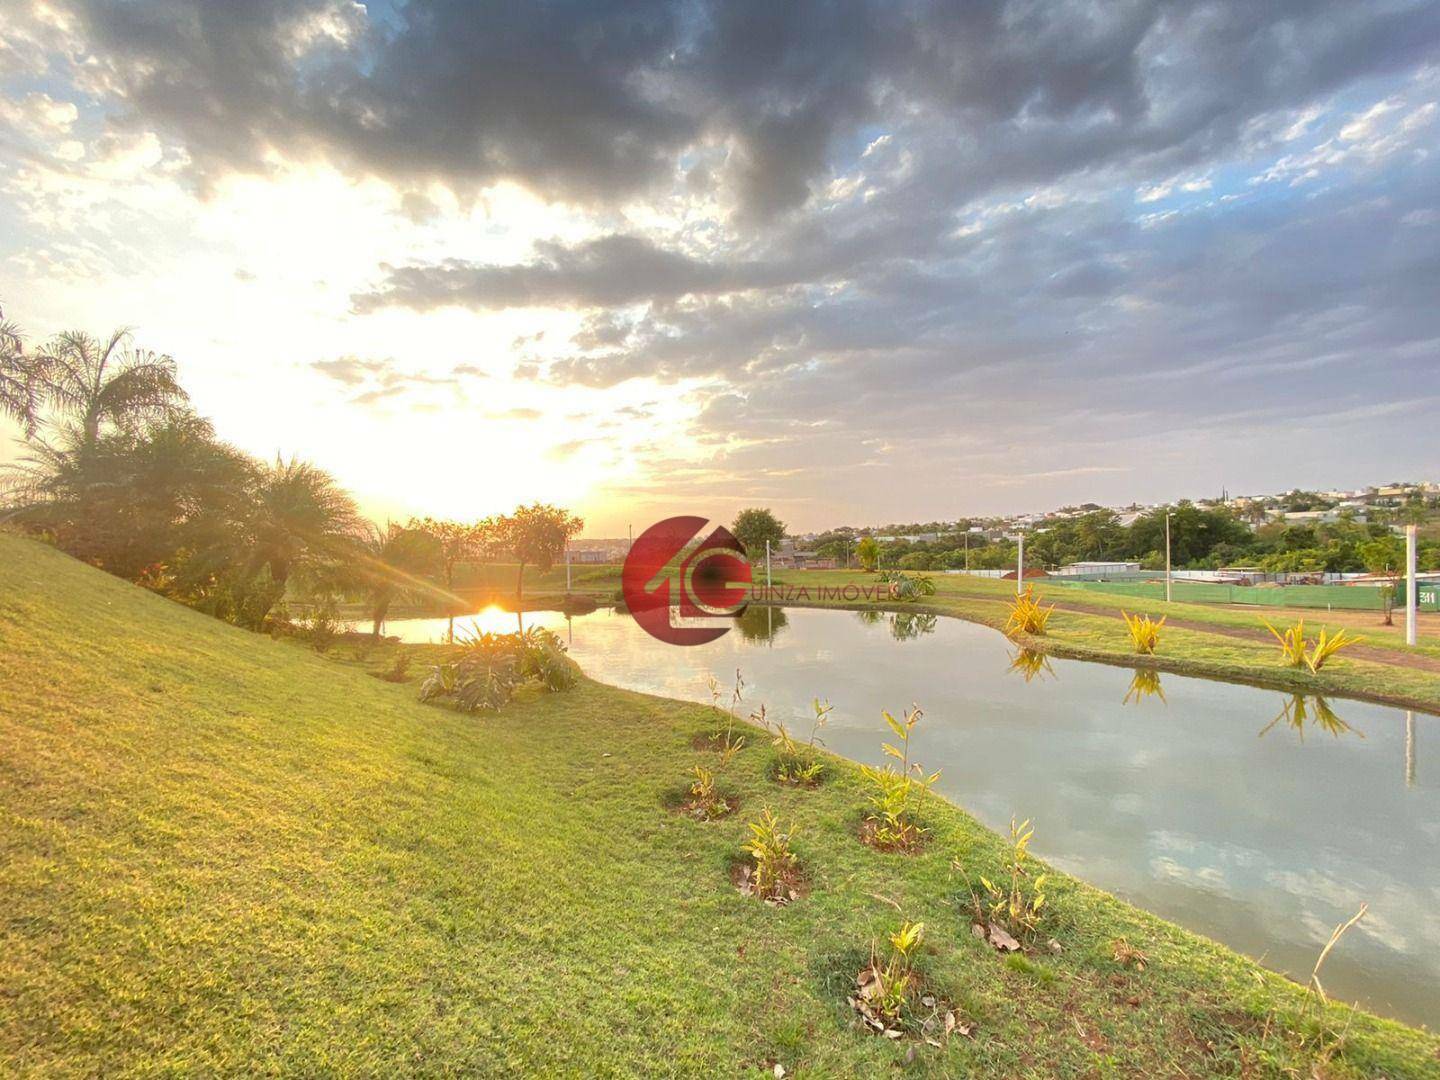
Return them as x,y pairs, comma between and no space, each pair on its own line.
118,470
1201,538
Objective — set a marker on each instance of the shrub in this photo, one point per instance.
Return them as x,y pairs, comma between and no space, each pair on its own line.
491,667
1292,642
320,627
796,762
1012,908
905,586
1326,646
885,986
706,801
774,871
1144,632
1026,614
893,823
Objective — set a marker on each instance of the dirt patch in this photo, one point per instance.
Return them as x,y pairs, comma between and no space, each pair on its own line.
911,841
793,884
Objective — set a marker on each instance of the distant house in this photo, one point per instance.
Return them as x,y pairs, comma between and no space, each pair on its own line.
800,560
1098,568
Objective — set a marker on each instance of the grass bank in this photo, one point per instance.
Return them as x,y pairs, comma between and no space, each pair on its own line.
222,853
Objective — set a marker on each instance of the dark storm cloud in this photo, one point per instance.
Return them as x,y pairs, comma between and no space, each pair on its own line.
894,214
595,101
611,271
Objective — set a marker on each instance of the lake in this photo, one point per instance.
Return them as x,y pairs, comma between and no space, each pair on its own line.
1248,815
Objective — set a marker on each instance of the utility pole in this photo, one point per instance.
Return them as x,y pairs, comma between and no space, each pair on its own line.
567,567
967,551
1412,589
1168,516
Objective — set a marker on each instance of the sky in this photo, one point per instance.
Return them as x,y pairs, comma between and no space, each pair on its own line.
858,262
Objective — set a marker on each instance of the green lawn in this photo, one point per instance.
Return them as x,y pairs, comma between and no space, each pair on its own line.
222,853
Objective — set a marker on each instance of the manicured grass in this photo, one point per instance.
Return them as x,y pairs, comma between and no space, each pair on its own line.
222,853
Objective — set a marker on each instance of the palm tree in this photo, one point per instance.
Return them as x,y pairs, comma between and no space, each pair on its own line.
301,521
19,378
94,382
393,560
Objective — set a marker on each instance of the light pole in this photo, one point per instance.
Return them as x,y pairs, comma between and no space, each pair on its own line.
1168,516
1020,564
1412,591
767,565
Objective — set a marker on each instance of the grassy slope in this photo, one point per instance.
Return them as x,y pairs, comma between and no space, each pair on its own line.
219,852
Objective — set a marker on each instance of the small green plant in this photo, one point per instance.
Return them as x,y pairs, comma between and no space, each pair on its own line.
1326,646
1292,642
724,735
886,985
796,762
773,872
893,823
1144,632
1027,615
1009,914
706,801
1297,652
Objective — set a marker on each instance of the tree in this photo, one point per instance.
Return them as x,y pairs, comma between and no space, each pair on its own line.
19,378
395,559
1383,556
136,502
457,542
753,527
301,522
868,552
92,383
536,534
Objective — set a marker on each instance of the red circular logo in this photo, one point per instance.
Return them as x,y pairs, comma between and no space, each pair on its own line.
683,592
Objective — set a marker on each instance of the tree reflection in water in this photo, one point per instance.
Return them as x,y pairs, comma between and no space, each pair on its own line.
907,625
761,624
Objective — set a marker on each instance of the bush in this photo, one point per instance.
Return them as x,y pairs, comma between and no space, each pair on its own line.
491,667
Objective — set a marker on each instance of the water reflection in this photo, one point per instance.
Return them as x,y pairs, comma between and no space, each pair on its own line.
1299,712
1145,684
870,616
761,624
908,625
1031,664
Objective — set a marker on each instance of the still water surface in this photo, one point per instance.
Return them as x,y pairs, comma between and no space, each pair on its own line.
1244,814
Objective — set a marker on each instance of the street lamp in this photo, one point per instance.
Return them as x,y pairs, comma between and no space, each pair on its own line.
1168,516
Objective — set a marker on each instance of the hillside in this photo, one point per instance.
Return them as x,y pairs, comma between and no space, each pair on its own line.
222,853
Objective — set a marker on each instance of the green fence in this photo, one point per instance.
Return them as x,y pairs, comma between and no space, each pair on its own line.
1338,597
